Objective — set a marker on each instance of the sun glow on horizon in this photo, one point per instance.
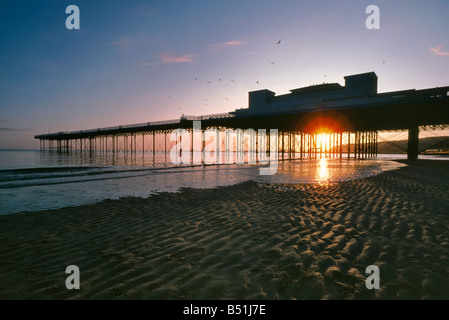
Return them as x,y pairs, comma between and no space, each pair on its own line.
324,141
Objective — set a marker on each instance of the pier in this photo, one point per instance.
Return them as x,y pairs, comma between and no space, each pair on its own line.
326,120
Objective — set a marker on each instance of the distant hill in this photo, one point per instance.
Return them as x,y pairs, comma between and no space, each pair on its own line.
400,146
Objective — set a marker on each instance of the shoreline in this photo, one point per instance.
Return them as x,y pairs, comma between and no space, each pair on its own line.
62,187
246,241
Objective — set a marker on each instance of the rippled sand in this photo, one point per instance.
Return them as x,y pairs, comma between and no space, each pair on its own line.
249,241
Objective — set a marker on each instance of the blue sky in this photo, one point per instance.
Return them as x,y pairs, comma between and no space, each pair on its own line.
138,61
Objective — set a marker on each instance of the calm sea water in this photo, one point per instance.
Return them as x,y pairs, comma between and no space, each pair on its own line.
34,180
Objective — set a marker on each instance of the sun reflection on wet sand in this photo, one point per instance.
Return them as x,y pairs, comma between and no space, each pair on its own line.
327,171
322,173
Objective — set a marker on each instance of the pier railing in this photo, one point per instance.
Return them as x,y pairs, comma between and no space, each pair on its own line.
208,116
138,125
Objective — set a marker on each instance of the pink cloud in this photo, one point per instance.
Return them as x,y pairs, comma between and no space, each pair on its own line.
167,57
121,42
437,51
222,45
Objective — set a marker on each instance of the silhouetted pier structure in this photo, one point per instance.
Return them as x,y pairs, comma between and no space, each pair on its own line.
320,120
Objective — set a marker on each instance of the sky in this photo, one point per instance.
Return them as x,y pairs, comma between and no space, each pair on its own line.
139,61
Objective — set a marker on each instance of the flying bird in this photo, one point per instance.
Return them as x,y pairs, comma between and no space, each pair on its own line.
257,82
279,42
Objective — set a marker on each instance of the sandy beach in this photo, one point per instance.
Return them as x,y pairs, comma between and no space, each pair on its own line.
248,241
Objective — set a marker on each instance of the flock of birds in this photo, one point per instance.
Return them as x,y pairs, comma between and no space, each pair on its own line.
257,81
219,80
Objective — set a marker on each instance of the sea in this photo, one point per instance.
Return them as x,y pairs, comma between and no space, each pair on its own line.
32,180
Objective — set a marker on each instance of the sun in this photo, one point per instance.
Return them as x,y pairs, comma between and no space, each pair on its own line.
323,140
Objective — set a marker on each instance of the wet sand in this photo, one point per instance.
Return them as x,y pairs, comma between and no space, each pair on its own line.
248,241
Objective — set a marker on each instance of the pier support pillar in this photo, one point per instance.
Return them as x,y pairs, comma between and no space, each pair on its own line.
413,143
154,144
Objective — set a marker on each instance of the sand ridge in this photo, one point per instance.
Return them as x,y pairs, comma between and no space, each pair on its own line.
248,241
